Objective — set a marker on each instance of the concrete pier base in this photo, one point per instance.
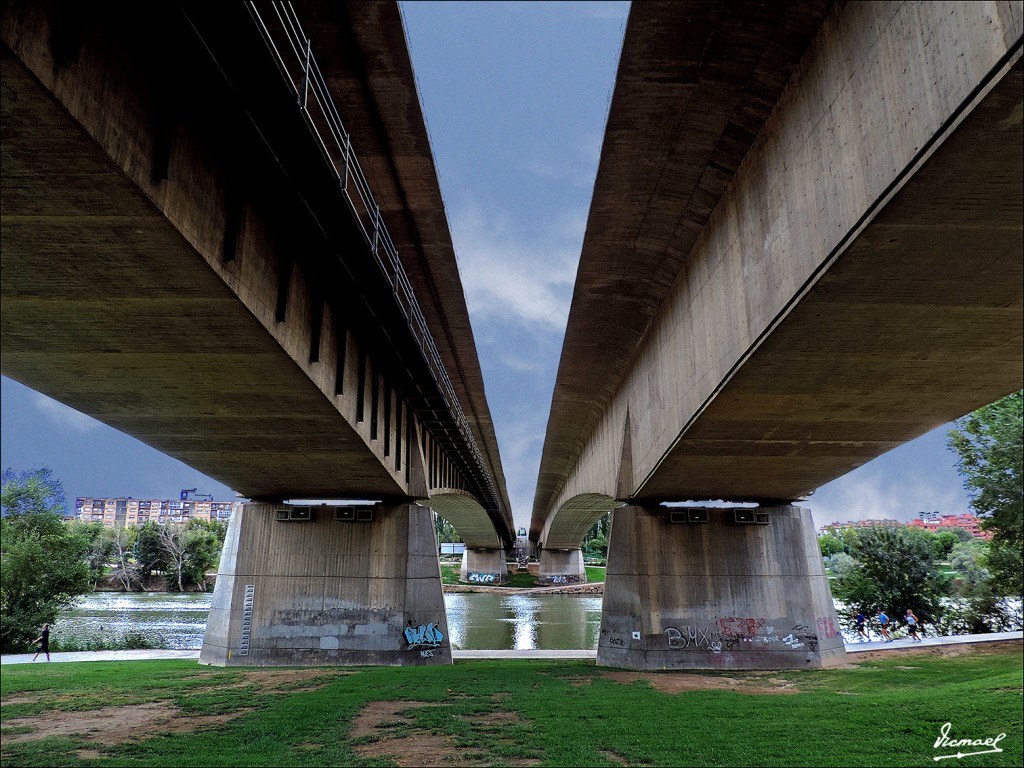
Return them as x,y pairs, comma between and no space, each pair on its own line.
562,566
334,589
715,591
484,566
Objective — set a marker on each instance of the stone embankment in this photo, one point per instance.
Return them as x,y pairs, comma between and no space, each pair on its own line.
596,588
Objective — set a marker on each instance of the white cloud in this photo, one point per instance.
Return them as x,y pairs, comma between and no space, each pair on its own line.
63,416
508,279
876,493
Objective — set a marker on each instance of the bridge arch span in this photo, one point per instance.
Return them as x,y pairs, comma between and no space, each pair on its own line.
464,511
566,528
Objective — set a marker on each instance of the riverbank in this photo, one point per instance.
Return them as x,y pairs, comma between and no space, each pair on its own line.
158,585
561,589
947,644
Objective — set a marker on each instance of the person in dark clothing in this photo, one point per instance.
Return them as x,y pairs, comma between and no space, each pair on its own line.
862,627
44,642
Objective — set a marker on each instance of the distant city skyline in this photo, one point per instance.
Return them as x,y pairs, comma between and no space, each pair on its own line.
515,97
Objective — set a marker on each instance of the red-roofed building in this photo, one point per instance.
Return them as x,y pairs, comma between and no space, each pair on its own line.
937,524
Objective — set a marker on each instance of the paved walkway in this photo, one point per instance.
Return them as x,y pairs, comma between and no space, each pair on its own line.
26,658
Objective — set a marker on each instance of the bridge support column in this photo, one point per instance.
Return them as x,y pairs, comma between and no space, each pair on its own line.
561,566
724,593
327,591
484,566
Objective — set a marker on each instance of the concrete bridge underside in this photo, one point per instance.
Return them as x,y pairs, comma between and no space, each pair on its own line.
179,262
804,249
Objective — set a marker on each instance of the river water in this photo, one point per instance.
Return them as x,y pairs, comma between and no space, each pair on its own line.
476,620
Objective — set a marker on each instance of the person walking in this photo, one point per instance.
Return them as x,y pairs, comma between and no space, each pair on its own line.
912,624
883,628
862,627
44,643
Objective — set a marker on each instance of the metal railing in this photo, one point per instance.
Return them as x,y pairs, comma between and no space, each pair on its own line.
292,51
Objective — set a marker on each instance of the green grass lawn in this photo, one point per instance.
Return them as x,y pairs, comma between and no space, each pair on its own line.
161,713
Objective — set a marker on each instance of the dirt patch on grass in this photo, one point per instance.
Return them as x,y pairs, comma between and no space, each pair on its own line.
677,682
397,738
115,725
954,649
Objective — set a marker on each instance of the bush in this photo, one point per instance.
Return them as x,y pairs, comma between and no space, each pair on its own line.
130,641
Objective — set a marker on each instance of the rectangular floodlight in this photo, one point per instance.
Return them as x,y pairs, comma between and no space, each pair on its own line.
294,514
743,515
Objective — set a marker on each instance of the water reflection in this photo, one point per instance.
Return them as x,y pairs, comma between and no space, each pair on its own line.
173,620
476,621
495,621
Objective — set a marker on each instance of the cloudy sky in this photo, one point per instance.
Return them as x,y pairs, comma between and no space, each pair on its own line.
515,97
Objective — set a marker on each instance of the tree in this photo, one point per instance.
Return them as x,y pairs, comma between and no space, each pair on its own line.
100,548
149,552
31,491
895,570
42,561
831,545
126,569
944,543
990,445
446,532
840,565
189,551
595,543
968,560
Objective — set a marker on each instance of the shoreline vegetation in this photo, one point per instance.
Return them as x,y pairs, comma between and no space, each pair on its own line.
518,583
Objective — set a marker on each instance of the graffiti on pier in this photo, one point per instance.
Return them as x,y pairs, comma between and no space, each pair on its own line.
422,636
695,636
425,654
483,578
735,625
734,633
827,628
562,579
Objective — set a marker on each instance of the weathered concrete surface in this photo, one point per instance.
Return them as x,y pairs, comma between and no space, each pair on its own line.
716,595
464,511
857,284
198,283
327,592
562,566
483,566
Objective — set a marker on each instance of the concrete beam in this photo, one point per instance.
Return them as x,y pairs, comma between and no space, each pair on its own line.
857,285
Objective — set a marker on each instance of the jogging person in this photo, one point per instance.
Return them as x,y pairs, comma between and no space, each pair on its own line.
862,627
912,624
883,628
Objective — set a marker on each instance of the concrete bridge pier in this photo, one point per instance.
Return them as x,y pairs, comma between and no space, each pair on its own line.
483,566
716,589
317,585
561,566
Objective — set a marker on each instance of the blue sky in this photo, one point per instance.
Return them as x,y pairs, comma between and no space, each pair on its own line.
515,97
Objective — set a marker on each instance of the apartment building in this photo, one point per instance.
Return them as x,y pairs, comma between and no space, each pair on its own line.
128,511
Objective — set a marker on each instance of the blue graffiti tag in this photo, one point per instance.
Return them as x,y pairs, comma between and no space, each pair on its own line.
423,636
